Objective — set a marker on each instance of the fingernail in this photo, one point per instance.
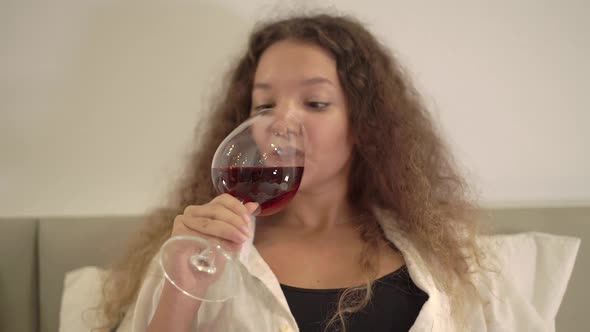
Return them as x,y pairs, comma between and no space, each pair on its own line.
242,238
257,211
247,218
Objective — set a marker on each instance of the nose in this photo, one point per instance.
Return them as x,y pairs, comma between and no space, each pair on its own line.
286,122
285,128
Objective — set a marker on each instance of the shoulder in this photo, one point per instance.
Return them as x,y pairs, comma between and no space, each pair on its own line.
508,295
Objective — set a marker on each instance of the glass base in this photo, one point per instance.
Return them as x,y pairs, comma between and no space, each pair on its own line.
200,268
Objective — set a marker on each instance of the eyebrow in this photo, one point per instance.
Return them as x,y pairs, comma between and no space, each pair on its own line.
317,80
309,81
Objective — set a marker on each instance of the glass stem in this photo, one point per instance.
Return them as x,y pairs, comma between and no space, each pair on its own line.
204,261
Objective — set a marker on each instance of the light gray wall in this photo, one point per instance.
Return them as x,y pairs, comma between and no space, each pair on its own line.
98,99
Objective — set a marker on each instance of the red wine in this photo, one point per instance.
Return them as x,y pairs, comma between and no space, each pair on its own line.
271,187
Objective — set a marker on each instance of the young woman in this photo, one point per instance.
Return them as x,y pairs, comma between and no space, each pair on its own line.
381,235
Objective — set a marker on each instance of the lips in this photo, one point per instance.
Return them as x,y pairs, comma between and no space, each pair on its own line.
284,152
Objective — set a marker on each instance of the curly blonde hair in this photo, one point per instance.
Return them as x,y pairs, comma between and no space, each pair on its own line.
400,164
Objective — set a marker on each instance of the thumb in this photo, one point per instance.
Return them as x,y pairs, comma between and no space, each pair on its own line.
253,208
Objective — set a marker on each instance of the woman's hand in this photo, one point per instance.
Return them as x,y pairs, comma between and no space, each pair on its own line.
225,219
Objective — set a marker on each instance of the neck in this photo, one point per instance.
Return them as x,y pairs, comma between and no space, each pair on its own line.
322,208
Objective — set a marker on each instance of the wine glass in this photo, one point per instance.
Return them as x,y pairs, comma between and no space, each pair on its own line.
260,161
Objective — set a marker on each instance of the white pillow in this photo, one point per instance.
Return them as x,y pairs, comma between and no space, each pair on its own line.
82,293
537,265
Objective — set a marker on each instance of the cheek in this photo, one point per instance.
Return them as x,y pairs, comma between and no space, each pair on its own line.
330,139
329,151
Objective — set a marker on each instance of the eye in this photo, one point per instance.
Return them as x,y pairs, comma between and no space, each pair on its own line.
317,105
263,107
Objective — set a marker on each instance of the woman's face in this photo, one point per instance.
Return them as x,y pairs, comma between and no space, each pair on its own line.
299,80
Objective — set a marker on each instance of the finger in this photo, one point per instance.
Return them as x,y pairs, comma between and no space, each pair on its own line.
229,245
181,229
214,227
233,204
218,212
253,208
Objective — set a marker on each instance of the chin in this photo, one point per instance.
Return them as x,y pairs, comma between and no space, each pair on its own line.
305,183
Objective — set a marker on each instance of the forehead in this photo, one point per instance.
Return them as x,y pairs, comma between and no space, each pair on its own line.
295,60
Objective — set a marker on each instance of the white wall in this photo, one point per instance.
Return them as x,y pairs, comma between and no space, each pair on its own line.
98,99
